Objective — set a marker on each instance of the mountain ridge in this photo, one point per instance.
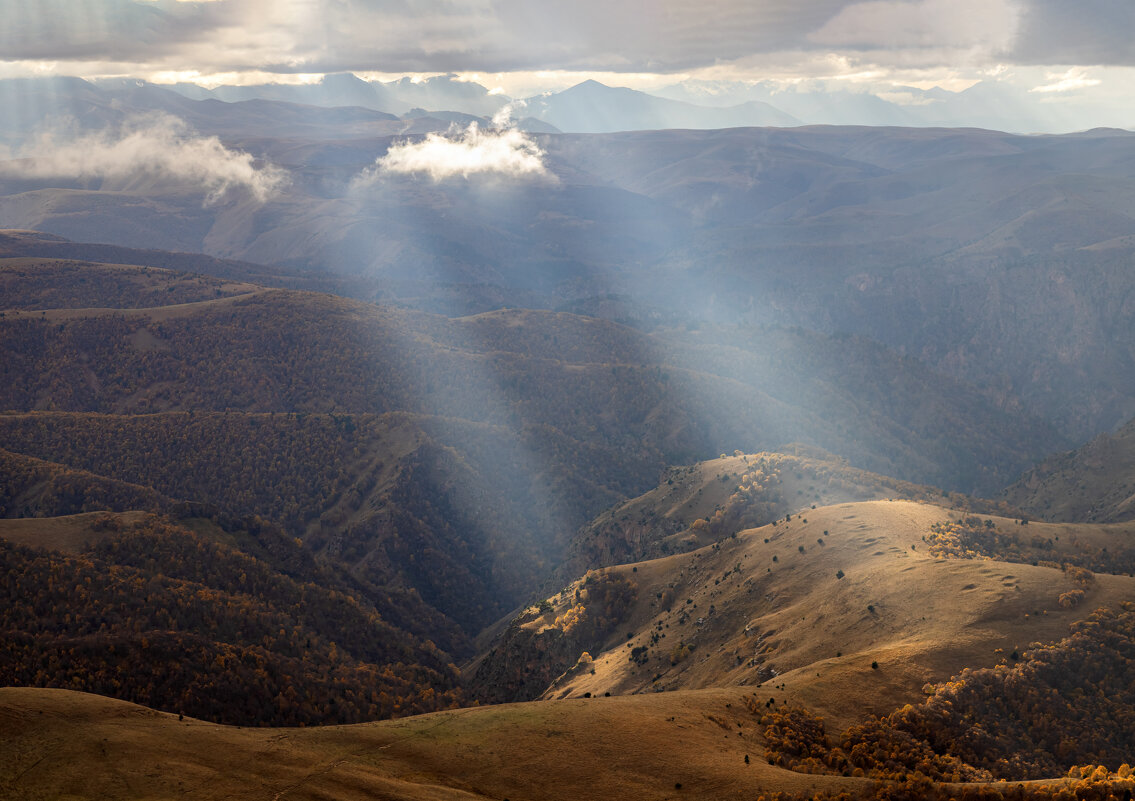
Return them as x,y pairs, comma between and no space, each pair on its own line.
1091,483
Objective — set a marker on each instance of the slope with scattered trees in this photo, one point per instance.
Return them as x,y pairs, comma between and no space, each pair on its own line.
1047,713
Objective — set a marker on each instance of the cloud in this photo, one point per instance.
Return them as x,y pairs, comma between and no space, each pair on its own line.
1068,81
907,98
1085,32
507,114
101,29
899,24
417,36
160,146
501,37
467,153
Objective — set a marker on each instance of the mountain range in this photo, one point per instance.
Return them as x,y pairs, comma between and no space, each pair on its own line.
587,107
650,447
594,107
393,439
976,252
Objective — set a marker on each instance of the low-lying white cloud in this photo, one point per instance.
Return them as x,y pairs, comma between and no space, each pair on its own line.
160,146
907,98
1069,81
466,153
507,114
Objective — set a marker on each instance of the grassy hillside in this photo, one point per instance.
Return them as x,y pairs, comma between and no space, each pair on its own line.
777,643
703,503
811,602
66,744
36,283
1094,483
618,747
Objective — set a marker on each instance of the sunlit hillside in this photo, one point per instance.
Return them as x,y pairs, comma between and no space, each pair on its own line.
719,670
548,401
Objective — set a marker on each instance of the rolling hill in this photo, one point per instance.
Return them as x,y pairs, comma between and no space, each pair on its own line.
393,423
702,503
753,606
805,638
449,457
978,252
390,441
435,468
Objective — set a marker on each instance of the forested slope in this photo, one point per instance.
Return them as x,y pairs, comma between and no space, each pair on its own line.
157,614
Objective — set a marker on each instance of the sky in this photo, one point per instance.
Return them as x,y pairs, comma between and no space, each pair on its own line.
1057,49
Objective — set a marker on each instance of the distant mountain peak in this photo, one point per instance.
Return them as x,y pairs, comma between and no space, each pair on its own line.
594,107
343,79
592,85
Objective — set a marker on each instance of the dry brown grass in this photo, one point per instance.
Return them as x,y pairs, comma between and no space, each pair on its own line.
60,744
931,617
69,533
793,622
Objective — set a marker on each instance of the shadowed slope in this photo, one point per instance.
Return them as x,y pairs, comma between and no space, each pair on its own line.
1094,483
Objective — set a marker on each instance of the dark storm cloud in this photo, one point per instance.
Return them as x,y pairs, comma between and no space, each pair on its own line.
645,35
505,35
510,35
1085,32
407,35
102,30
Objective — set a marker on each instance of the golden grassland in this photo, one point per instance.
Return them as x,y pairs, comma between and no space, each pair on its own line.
787,630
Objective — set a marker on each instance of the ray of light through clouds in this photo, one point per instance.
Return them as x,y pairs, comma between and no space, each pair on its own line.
154,145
